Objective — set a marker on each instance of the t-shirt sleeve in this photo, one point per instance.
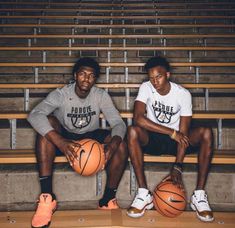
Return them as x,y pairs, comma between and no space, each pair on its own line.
186,103
38,116
142,94
112,115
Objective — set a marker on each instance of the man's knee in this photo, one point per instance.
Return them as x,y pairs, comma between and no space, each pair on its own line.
123,148
54,123
207,135
132,133
207,140
41,140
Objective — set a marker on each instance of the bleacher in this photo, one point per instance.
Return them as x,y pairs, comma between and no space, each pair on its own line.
41,40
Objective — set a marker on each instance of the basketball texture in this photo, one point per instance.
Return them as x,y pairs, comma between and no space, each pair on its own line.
169,199
90,159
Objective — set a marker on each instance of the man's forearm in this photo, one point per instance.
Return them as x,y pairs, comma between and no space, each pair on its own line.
149,125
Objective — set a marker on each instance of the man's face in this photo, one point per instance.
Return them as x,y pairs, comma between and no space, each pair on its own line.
158,76
85,79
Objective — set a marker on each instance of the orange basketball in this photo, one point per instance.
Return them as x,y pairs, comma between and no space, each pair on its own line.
91,157
169,199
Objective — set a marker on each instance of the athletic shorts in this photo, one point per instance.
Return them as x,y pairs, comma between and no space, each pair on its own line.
98,135
160,144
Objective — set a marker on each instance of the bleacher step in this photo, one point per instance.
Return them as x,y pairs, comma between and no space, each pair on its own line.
19,185
116,218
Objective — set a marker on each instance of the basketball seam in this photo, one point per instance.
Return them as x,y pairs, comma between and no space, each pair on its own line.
87,159
88,140
170,212
163,184
171,192
166,202
99,159
160,211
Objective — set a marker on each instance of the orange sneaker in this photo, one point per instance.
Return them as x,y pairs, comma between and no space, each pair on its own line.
112,204
45,209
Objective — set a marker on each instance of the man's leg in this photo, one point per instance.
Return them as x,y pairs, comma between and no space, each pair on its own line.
114,170
137,137
45,153
202,136
116,166
143,200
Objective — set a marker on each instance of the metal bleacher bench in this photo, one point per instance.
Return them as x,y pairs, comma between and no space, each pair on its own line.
9,156
113,3
142,10
12,156
218,25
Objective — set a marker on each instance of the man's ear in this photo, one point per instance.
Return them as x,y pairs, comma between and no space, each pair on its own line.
168,74
74,75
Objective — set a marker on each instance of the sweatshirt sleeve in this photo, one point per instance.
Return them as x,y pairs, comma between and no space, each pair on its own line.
112,115
38,116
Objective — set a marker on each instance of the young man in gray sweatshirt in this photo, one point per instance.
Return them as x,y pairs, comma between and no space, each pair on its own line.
72,113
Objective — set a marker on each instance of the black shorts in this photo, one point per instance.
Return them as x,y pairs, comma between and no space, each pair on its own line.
99,135
163,144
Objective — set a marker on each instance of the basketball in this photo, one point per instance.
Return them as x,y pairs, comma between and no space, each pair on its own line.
169,199
90,159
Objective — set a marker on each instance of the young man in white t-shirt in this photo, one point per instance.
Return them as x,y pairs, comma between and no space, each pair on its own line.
162,117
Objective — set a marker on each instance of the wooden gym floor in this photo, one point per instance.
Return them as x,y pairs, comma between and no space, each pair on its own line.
116,218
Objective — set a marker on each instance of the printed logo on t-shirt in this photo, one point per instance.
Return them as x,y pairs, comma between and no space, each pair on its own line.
81,116
162,112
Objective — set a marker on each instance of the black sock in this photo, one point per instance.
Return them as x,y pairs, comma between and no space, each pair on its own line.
109,193
46,185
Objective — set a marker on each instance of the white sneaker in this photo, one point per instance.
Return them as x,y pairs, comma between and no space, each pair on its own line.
199,203
143,200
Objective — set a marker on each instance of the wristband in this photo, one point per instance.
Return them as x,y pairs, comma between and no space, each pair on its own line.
178,169
178,165
173,134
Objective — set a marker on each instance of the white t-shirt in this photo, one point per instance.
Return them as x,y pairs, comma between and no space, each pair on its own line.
166,110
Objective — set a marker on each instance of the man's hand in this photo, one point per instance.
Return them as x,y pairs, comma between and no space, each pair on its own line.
108,151
167,178
69,148
111,147
182,139
176,176
64,145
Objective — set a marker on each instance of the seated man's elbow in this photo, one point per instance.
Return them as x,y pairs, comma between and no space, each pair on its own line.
31,118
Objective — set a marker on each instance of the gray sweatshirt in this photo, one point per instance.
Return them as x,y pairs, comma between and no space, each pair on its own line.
77,115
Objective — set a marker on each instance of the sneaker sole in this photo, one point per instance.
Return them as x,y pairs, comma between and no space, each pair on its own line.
148,207
115,207
45,226
200,217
